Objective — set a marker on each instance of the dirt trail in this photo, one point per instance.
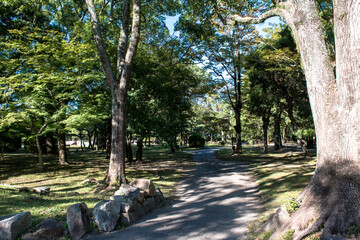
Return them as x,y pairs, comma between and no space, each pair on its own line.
217,201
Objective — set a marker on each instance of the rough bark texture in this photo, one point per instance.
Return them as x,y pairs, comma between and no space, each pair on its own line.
40,154
332,199
62,146
277,133
126,53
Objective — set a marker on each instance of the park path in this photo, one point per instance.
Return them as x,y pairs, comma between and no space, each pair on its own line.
217,201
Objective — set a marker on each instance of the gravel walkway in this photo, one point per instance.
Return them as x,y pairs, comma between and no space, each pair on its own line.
217,201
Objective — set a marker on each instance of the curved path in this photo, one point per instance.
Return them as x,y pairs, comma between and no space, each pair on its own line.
217,201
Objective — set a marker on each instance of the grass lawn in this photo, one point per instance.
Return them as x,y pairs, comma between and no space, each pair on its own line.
280,174
66,182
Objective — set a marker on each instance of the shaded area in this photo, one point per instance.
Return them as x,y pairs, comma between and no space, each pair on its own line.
217,201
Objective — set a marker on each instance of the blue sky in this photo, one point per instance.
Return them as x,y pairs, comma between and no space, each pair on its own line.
170,21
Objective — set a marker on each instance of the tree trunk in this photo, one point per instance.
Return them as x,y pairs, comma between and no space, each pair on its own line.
333,195
126,51
116,173
277,133
266,121
129,153
62,145
40,154
139,149
238,148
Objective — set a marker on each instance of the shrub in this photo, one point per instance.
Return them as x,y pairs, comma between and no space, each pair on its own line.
10,143
196,141
291,203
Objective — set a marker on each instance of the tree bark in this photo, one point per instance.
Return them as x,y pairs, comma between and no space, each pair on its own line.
277,133
62,145
333,195
40,154
108,139
266,121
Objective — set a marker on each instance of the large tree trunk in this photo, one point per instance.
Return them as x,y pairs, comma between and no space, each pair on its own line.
116,172
62,145
332,198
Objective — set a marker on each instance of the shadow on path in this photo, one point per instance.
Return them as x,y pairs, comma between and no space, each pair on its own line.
217,201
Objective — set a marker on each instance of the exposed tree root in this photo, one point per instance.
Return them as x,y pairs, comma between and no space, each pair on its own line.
330,204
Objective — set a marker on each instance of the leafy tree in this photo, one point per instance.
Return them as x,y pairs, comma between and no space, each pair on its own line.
49,73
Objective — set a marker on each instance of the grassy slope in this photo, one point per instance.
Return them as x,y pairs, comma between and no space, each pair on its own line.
163,167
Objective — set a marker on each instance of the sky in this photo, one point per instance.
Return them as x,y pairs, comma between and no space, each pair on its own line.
170,22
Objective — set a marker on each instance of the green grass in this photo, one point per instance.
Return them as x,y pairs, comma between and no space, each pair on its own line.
280,174
66,182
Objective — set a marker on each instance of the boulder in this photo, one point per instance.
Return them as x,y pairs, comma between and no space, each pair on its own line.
106,215
46,230
129,218
12,225
145,184
159,197
131,192
149,204
78,220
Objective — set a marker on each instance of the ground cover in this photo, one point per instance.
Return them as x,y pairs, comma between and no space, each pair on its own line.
67,182
281,175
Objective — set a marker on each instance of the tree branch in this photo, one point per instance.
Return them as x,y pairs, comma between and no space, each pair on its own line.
262,18
105,61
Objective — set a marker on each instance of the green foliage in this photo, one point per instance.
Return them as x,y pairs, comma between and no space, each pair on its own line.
10,143
288,234
353,230
196,141
291,203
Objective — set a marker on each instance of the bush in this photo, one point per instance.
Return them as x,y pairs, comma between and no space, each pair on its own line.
10,143
196,141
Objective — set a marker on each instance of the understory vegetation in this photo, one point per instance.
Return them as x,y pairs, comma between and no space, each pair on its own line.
68,185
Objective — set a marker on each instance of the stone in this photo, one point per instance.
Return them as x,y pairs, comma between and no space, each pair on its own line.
149,204
78,220
42,190
128,191
106,215
145,184
160,195
129,218
46,230
12,225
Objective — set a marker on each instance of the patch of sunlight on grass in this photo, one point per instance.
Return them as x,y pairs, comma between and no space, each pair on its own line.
166,169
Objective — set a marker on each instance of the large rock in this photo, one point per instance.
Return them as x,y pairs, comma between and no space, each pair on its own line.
106,215
125,204
130,192
149,204
78,220
46,230
129,218
145,184
12,225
